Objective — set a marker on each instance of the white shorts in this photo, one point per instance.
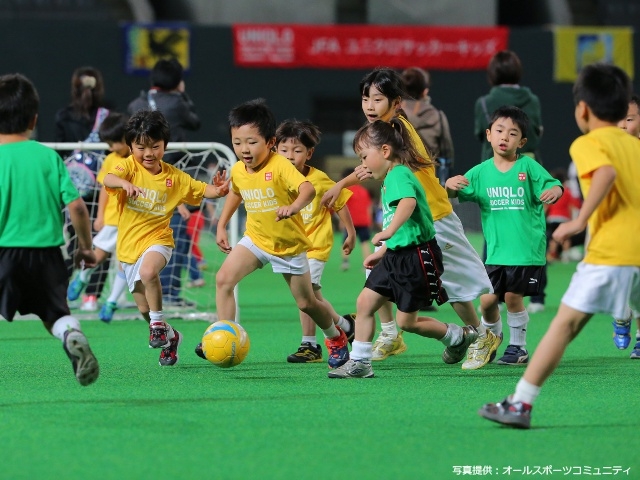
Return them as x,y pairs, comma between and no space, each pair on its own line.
295,265
464,277
316,267
132,270
106,238
604,289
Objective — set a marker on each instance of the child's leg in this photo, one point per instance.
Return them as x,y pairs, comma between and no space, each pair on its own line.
302,291
424,326
238,264
152,264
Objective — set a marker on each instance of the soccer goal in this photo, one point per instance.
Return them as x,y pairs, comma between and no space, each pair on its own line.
194,272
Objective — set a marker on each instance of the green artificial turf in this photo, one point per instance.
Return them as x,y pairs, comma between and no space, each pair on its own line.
272,420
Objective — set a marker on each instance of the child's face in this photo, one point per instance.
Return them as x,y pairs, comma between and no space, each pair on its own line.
148,154
631,123
377,106
375,160
120,148
505,138
250,146
296,152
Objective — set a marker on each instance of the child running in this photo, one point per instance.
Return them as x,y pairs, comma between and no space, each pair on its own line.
274,193
152,189
296,141
464,276
33,276
608,279
511,190
406,270
106,223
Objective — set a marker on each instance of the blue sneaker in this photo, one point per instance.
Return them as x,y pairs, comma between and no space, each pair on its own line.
636,350
337,349
107,311
621,335
75,288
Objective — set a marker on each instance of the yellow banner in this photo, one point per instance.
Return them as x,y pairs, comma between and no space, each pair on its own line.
148,43
576,47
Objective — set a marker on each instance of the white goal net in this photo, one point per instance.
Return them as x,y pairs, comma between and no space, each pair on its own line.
188,281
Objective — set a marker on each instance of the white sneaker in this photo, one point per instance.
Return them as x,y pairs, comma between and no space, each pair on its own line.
89,303
352,369
479,353
535,307
385,346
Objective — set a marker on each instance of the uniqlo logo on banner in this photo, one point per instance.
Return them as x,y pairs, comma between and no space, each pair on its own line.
270,45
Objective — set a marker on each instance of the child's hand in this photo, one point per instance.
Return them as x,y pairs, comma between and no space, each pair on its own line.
372,260
330,196
84,259
285,212
131,190
362,173
348,244
222,240
456,183
552,195
380,237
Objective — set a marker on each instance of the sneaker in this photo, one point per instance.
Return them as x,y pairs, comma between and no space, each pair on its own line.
353,369
75,288
621,335
514,355
385,346
85,365
107,311
89,303
344,266
169,355
516,414
455,353
494,353
197,283
481,351
351,318
337,349
158,332
199,351
306,353
535,307
636,350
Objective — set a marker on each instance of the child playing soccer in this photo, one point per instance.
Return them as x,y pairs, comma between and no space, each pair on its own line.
148,190
274,193
406,270
296,141
106,223
33,276
511,190
608,279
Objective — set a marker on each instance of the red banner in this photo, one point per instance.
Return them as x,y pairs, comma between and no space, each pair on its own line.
366,46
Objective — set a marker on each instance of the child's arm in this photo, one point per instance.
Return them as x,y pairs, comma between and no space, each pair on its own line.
454,184
405,208
347,222
79,215
306,194
601,182
103,198
231,204
113,181
218,188
331,196
373,259
552,195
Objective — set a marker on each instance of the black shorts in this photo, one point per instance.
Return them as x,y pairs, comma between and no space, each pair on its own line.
526,281
363,234
410,277
33,280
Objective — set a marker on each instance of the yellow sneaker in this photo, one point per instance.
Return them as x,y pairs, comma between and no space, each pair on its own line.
479,353
385,346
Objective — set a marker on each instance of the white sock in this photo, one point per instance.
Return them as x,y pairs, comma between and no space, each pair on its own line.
85,273
63,324
482,330
454,335
156,317
623,322
119,284
390,329
344,325
311,339
526,392
638,335
331,332
361,351
518,328
495,328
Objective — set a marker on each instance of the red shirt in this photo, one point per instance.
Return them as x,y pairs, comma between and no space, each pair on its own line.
359,206
561,211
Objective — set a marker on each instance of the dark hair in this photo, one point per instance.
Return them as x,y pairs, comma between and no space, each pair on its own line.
388,81
113,127
606,89
559,174
256,113
19,103
166,74
518,116
347,171
147,126
635,98
393,134
306,132
504,68
416,81
87,91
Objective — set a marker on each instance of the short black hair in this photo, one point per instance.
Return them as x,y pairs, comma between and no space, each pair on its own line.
146,126
256,113
416,81
19,103
166,74
504,68
113,127
635,98
519,117
306,132
606,89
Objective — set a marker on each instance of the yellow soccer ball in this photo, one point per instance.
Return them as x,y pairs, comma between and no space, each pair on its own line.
225,343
